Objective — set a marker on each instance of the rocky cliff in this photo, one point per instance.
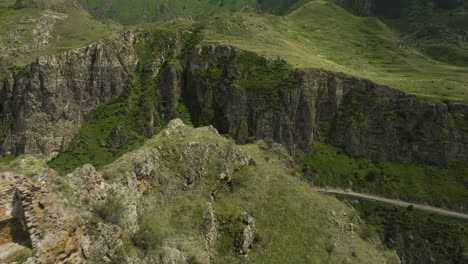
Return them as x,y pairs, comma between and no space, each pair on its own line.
45,103
248,97
240,93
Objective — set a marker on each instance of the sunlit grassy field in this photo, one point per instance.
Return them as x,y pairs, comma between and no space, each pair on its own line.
323,35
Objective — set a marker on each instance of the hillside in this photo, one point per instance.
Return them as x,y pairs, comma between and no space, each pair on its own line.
96,165
314,37
140,11
437,27
192,196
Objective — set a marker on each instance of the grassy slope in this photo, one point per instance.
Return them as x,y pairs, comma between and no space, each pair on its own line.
416,182
440,33
154,10
77,30
322,35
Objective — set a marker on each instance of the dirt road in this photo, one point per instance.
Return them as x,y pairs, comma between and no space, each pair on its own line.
419,207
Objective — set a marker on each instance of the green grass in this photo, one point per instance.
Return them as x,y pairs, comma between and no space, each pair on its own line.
139,11
417,237
19,256
438,186
439,33
323,35
156,10
28,165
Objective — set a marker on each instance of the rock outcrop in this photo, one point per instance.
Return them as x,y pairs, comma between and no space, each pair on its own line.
248,236
162,168
167,203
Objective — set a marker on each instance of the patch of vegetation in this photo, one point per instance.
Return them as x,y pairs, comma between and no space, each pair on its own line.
439,29
444,187
109,211
417,237
28,165
263,79
181,218
19,256
282,218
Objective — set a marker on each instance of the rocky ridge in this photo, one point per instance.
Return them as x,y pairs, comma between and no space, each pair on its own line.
114,203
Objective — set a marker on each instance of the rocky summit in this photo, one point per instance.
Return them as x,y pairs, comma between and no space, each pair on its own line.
234,131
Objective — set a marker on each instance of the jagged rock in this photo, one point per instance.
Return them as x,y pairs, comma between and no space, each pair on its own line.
318,108
104,244
87,182
248,236
279,151
210,227
172,256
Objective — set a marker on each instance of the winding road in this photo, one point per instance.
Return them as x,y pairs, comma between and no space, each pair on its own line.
419,207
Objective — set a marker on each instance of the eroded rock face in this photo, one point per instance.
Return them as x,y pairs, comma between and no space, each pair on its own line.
248,236
45,104
365,118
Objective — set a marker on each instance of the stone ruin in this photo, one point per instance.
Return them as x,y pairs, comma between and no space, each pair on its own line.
18,213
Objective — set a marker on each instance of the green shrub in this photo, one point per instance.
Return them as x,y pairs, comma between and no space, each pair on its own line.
109,211
19,256
149,236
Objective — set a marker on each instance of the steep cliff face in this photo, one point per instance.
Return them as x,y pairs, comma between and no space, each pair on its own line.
240,93
45,104
248,97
